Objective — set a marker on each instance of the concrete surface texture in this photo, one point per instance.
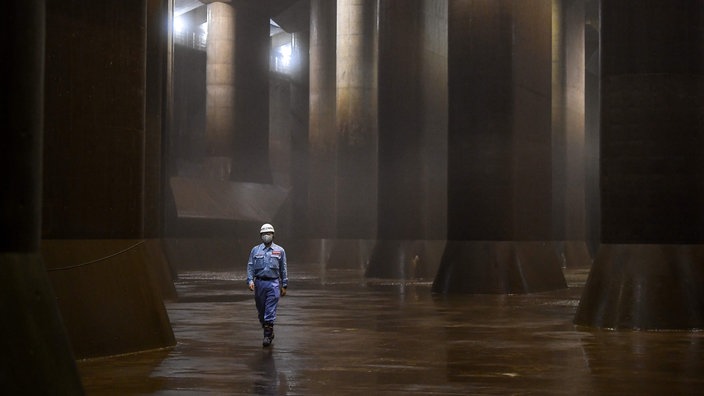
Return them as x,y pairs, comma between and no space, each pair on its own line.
343,334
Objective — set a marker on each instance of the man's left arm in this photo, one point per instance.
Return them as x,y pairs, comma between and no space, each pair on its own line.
284,272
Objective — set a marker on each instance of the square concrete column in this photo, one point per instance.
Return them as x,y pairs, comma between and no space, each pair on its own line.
250,160
499,150
96,187
569,165
220,89
322,132
36,353
649,272
356,119
412,139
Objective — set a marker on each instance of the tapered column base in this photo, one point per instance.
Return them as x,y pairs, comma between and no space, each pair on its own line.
499,267
646,287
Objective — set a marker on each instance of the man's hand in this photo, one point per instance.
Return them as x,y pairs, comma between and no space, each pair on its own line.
283,291
251,286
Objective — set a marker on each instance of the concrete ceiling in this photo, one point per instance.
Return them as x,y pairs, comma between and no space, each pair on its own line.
183,6
294,18
271,7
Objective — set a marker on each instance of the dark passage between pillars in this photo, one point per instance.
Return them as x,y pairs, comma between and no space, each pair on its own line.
499,150
649,273
36,355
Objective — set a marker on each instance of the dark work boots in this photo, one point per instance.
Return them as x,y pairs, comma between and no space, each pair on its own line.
268,334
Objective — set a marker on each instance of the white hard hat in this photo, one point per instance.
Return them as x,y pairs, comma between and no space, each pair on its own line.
267,228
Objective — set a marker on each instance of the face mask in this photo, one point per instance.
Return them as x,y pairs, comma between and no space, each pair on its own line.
267,238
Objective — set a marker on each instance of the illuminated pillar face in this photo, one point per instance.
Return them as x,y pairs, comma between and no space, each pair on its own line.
356,118
237,103
220,74
356,78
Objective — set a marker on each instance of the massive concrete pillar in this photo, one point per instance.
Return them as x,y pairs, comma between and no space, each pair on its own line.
559,178
300,94
569,140
322,136
499,150
36,353
592,100
400,114
288,119
155,109
97,193
576,248
220,90
649,272
531,116
356,119
401,220
412,149
250,161
237,104
433,101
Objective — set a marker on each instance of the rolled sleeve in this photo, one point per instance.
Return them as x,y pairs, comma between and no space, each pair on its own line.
284,270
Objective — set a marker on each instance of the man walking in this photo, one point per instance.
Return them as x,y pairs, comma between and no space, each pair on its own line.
267,276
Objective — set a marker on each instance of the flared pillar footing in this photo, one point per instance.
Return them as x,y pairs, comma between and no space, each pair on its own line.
499,267
645,287
405,259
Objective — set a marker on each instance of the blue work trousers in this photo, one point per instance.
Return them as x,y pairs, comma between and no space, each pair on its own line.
266,296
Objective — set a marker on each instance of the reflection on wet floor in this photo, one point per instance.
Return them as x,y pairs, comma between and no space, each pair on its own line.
356,336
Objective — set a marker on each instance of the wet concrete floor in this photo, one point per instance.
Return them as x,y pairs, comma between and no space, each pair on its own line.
344,335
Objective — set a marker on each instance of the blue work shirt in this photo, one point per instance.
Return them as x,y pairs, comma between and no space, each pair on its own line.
267,262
